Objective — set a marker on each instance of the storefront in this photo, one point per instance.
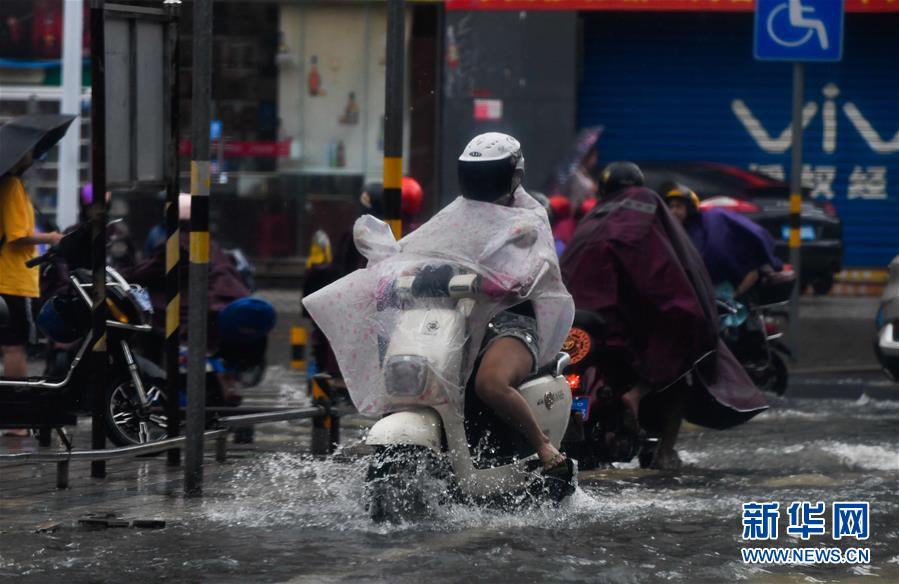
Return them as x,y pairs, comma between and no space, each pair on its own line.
298,100
298,91
676,80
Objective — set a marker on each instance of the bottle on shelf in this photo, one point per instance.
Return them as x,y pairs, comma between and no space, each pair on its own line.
315,80
351,111
341,155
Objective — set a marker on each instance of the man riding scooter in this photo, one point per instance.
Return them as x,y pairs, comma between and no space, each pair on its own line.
735,250
496,229
748,278
632,264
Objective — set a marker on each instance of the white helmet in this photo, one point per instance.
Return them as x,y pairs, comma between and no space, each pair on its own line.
491,166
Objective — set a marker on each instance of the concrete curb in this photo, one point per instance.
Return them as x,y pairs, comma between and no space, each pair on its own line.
860,282
836,369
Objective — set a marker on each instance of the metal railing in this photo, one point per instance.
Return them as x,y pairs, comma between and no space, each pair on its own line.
320,444
62,459
325,435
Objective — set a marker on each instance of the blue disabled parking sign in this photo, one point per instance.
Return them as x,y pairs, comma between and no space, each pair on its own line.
799,30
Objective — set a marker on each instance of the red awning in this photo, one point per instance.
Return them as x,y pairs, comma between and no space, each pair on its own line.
649,5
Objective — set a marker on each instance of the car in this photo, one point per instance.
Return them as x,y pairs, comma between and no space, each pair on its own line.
886,340
766,201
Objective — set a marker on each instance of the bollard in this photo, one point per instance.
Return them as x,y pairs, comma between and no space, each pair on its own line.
246,435
334,434
325,428
62,474
221,448
298,348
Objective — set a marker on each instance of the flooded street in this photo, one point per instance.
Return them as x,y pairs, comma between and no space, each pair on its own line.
280,516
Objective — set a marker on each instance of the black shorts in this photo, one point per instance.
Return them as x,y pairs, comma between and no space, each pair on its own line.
19,330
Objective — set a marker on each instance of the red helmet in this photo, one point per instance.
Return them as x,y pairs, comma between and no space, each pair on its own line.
413,197
588,205
561,207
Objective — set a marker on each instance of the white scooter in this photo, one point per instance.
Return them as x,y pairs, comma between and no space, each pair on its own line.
415,444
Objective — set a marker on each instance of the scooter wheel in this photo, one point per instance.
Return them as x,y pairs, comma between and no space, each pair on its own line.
404,483
127,421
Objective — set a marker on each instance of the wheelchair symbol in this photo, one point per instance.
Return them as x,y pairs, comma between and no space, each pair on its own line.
797,20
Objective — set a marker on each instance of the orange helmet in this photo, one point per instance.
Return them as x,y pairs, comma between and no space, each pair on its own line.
413,196
672,190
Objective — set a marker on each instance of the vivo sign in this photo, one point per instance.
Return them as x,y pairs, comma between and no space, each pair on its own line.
829,115
865,181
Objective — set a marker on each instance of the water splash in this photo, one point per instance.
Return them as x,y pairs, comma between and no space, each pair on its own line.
869,457
304,492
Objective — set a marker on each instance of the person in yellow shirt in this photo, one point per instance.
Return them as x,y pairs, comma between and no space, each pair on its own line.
18,283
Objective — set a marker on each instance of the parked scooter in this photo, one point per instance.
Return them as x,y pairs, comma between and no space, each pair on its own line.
886,341
423,356
134,385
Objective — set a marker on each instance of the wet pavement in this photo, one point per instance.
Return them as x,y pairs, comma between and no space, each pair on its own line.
274,514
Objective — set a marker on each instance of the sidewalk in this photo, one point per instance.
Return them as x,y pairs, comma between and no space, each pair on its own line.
145,487
836,334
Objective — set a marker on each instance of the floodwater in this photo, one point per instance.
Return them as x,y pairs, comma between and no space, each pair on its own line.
284,517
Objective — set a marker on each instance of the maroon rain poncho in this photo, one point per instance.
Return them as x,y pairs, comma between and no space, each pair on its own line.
225,284
632,263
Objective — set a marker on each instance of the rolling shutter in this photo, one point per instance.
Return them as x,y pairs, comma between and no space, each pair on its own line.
670,86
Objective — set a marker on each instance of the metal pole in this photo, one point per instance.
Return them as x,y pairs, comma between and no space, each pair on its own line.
173,239
199,247
393,115
796,204
98,231
70,147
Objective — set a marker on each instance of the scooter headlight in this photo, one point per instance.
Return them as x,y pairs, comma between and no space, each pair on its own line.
406,375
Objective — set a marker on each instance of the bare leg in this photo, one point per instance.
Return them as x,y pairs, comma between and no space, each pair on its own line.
15,363
666,457
631,400
505,364
227,382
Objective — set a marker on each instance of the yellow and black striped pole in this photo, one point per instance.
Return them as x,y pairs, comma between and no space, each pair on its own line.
298,343
98,233
172,246
198,276
796,204
393,116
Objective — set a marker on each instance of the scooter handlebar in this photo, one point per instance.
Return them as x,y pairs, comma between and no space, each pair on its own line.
41,259
460,286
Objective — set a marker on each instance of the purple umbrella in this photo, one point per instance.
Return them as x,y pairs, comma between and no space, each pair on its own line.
584,141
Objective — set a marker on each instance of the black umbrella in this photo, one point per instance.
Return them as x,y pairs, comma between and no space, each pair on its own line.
34,132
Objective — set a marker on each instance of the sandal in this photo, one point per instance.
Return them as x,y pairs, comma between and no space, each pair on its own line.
557,463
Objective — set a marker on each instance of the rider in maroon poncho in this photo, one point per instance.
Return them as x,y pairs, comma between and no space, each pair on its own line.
632,263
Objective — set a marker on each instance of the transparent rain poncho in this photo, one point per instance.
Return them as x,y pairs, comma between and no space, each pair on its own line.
364,315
